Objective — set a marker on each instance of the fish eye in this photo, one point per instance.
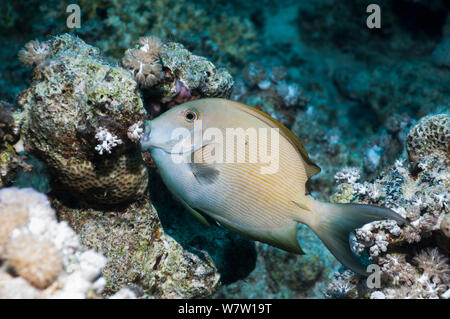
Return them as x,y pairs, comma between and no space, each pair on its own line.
190,116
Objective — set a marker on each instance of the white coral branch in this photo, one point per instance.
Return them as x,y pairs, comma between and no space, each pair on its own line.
107,141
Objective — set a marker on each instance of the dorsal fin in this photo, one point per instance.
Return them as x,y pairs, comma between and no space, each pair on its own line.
311,167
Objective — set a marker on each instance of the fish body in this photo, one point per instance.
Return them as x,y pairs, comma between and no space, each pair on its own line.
239,186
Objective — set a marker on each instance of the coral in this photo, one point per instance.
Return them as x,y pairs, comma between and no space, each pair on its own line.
75,101
348,175
207,29
140,255
343,286
144,61
9,136
42,258
185,77
34,53
397,270
418,192
135,132
434,265
37,261
107,141
13,214
431,135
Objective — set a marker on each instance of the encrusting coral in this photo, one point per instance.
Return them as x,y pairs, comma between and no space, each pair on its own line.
39,256
76,116
411,257
430,136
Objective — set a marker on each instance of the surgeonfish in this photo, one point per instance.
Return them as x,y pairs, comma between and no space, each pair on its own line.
219,180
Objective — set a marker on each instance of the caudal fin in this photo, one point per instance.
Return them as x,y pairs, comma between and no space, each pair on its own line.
333,223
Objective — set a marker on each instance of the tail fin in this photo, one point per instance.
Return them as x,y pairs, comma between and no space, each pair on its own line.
333,223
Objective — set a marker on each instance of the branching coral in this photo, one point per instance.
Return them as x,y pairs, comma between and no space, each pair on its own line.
135,131
107,141
348,174
144,61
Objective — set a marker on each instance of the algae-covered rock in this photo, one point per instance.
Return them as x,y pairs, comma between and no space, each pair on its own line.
140,255
77,115
176,74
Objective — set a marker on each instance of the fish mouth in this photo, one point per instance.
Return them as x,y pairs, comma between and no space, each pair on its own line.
171,147
147,144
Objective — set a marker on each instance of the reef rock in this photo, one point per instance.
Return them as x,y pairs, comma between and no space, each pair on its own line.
76,118
140,255
411,257
9,135
169,74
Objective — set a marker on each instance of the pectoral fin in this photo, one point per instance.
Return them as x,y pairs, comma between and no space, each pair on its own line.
203,166
204,173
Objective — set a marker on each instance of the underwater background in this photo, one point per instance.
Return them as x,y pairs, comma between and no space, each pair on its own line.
370,105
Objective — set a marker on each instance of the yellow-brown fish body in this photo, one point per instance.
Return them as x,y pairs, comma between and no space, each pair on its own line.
263,200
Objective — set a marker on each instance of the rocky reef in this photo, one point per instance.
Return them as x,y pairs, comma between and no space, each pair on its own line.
141,256
76,117
412,258
371,106
82,117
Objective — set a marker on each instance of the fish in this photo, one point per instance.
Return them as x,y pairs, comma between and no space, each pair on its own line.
233,165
